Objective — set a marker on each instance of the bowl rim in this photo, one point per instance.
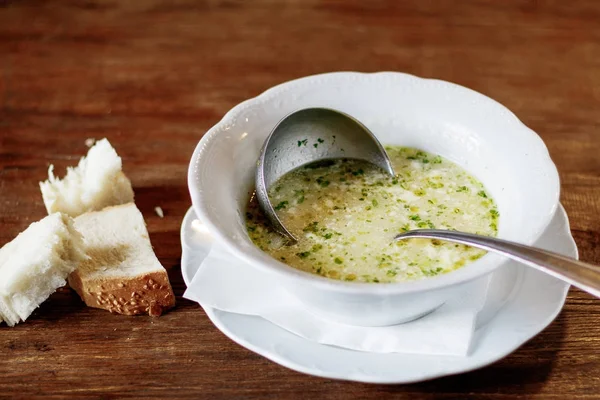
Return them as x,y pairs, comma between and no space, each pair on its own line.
269,264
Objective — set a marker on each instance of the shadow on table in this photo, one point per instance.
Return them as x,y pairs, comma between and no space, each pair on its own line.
521,373
63,305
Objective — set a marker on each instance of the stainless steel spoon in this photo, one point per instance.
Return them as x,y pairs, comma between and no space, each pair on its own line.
308,136
584,276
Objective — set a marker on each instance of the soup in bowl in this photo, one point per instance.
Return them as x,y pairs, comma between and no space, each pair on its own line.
505,184
345,214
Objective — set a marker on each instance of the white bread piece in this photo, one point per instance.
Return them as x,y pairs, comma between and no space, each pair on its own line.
123,274
36,263
95,183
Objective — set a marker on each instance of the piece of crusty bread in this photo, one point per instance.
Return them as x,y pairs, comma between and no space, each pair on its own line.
36,263
95,183
123,274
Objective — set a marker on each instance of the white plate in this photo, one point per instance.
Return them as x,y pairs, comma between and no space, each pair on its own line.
531,307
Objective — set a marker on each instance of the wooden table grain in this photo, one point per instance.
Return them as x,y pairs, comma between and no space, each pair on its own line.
153,76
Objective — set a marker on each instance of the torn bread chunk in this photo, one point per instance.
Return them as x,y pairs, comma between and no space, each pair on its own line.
97,182
36,263
122,274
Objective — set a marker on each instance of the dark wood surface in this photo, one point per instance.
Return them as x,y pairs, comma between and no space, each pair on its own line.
153,76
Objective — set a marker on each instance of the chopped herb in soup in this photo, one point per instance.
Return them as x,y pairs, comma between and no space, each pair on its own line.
346,213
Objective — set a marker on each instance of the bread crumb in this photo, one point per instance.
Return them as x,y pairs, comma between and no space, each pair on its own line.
159,212
89,142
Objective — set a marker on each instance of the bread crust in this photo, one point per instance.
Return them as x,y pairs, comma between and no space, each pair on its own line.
144,294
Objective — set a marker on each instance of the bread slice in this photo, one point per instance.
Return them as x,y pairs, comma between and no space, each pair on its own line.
95,183
36,263
123,274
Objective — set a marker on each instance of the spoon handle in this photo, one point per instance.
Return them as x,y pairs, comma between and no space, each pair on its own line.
584,276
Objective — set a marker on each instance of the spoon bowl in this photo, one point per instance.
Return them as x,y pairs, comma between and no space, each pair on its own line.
308,136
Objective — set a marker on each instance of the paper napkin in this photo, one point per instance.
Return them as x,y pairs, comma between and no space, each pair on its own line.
229,284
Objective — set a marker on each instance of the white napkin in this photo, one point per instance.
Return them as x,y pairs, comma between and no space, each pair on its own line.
226,283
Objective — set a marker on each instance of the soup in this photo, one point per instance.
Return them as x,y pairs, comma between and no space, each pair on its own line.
345,214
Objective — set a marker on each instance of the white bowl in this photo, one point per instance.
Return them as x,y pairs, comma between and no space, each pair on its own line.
460,124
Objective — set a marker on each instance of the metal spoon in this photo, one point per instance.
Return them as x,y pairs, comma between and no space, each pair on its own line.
584,276
308,136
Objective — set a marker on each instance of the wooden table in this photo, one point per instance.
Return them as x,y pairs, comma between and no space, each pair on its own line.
153,76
